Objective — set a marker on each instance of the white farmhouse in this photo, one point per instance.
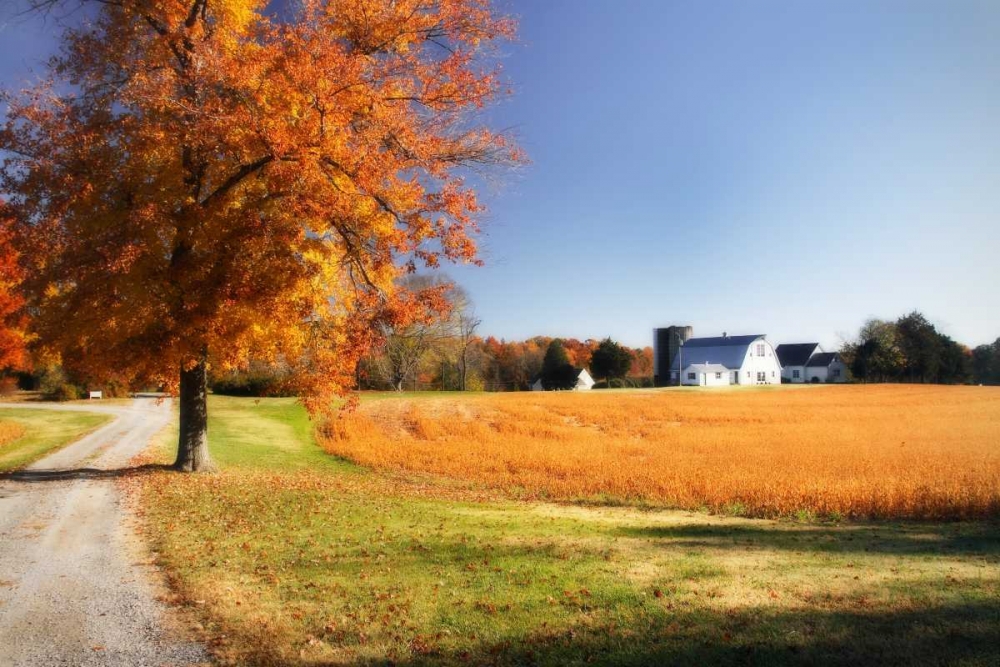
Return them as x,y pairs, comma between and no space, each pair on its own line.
583,382
807,362
826,367
793,358
726,360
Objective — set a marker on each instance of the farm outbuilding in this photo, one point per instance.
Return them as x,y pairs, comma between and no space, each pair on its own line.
808,363
724,360
584,382
826,367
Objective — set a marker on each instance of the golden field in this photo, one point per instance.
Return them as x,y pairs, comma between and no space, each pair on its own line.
890,451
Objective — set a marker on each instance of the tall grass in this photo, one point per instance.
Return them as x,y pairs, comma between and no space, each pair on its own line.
860,451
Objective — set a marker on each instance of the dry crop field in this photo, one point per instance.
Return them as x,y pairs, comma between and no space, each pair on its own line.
875,451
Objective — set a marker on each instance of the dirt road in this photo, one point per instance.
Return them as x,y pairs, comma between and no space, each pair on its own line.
73,589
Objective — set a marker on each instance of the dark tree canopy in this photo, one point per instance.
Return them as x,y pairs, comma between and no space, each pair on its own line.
610,360
557,371
911,349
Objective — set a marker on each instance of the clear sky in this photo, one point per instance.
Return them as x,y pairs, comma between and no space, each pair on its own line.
788,168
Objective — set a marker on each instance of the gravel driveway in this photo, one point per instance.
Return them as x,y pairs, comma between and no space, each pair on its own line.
73,587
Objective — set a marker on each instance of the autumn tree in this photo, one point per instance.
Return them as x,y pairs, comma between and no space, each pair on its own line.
642,363
12,322
610,361
207,181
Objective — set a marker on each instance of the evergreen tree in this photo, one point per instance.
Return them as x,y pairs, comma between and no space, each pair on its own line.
557,372
610,361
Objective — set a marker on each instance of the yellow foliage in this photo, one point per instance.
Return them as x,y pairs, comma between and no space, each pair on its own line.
859,451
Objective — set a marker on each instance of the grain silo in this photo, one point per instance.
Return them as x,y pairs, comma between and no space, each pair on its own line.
666,340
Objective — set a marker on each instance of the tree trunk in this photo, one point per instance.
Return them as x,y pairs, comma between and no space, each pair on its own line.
192,446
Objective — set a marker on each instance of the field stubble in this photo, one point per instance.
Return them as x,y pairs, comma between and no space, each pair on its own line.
857,451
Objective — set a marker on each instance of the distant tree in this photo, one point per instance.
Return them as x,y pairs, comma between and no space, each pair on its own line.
408,341
875,355
642,363
920,346
557,371
610,361
985,364
464,323
910,349
579,351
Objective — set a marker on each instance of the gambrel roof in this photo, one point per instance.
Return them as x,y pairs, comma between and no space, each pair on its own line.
728,351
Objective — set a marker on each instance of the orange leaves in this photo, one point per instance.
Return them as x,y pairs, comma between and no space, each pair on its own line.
12,320
217,179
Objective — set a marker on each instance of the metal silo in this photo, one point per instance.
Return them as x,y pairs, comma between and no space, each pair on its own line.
666,341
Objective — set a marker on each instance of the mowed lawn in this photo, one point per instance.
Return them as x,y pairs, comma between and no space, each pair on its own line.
857,451
289,556
27,435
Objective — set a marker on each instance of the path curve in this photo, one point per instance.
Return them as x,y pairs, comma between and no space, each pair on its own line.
72,588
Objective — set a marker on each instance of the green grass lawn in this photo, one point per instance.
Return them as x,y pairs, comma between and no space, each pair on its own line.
289,557
44,432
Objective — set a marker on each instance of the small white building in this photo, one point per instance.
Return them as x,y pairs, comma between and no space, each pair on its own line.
826,367
726,360
583,382
793,358
808,363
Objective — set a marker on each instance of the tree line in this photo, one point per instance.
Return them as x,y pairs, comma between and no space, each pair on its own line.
911,349
448,353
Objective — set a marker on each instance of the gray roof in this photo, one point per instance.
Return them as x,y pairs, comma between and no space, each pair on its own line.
795,354
722,341
728,351
822,360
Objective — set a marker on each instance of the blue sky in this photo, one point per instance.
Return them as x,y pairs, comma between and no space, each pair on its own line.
784,168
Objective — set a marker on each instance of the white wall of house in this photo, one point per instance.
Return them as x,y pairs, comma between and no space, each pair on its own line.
701,378
789,373
584,382
760,365
835,372
816,374
838,371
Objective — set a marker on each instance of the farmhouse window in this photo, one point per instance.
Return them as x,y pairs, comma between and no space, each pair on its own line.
760,349
692,376
796,374
836,372
718,376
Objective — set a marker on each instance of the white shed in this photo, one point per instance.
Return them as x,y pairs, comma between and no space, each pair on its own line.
583,382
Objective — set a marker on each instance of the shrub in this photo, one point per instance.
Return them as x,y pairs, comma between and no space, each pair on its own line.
56,386
259,380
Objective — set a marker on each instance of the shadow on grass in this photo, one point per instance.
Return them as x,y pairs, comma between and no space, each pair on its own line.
54,475
974,537
946,635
